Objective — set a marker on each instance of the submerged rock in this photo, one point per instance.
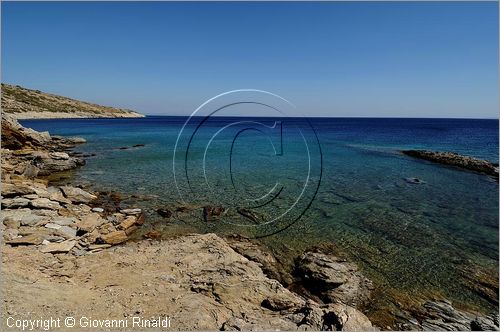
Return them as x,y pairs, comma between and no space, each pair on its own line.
211,212
164,212
249,214
414,180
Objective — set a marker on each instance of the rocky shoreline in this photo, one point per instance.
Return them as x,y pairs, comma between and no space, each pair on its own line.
66,251
456,160
42,222
23,103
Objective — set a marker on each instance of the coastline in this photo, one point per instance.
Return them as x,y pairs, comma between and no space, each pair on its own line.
52,115
268,304
41,222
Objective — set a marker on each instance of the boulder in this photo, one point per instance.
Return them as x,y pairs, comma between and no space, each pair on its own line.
49,163
340,317
333,279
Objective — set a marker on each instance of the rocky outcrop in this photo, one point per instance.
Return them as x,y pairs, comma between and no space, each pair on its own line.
440,315
24,103
332,279
55,219
199,281
457,160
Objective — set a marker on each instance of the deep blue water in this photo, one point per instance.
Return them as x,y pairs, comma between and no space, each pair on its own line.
334,180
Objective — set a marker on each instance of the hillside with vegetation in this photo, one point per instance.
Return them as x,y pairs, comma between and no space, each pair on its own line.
24,103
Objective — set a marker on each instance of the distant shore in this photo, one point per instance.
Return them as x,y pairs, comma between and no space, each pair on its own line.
61,115
22,103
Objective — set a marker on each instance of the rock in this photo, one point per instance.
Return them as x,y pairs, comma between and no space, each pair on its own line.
128,222
49,163
11,223
153,235
485,323
26,240
77,195
441,315
64,221
19,189
131,211
140,219
97,209
59,155
340,317
67,232
61,247
90,222
99,246
31,171
454,159
115,237
333,279
25,217
10,234
257,253
414,180
116,218
55,194
54,238
45,203
17,202
52,226
249,214
164,212
130,230
209,212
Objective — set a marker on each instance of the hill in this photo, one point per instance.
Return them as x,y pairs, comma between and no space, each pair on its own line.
24,103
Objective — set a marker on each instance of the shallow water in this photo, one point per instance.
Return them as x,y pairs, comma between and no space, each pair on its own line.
413,239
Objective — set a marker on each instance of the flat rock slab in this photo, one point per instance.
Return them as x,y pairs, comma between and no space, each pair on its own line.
90,222
115,237
31,239
77,195
61,247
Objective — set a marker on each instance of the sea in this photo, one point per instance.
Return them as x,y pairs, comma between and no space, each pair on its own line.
419,230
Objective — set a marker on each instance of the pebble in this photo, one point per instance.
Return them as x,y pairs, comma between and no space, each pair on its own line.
97,209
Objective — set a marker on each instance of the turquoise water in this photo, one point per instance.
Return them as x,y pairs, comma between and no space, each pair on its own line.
414,240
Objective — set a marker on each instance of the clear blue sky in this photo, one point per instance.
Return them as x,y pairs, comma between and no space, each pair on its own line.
330,59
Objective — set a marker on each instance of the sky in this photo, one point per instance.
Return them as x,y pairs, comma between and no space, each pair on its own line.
387,59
